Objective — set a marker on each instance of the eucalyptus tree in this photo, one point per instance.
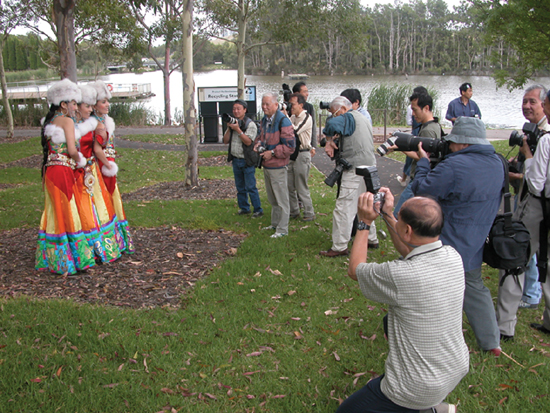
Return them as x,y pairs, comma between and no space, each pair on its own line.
161,21
525,25
269,21
104,23
12,13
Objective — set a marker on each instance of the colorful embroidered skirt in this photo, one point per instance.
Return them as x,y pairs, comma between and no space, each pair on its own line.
95,207
63,247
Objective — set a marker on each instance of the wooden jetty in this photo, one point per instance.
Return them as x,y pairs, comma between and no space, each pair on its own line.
131,91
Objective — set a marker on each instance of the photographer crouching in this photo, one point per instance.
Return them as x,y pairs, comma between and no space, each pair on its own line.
427,354
350,143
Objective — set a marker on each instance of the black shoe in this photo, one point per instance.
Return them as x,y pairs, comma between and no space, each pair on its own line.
540,328
373,245
258,214
506,339
243,212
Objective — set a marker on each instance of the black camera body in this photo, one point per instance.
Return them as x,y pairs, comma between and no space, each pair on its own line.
405,142
372,182
341,166
286,92
261,149
227,118
285,106
533,133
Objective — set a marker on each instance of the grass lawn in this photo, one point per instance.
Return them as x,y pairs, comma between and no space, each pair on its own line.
274,328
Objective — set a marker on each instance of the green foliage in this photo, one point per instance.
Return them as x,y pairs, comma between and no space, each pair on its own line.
525,26
132,114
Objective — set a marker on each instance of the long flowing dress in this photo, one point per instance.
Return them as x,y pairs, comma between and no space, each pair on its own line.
63,246
111,184
93,200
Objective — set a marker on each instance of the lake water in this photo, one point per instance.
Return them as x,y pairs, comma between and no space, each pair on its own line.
499,107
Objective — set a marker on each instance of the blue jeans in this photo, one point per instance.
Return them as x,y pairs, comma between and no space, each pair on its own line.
245,181
407,166
406,194
370,399
532,291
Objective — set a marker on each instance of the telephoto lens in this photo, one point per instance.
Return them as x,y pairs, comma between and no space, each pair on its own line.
384,148
324,105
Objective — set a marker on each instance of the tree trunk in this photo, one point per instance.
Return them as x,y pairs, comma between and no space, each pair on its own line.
166,77
5,100
241,55
191,170
63,13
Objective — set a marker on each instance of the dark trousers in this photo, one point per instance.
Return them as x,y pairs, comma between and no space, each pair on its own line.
370,399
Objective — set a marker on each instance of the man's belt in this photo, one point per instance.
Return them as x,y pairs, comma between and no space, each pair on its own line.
305,150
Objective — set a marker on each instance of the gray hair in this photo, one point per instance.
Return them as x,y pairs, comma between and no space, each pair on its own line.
542,94
340,101
272,96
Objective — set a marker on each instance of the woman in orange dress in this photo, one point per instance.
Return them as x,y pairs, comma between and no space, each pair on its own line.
93,200
104,149
63,246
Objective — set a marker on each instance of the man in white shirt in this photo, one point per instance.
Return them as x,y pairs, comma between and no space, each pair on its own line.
427,355
300,162
531,210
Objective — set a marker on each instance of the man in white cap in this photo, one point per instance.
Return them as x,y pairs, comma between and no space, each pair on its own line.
468,185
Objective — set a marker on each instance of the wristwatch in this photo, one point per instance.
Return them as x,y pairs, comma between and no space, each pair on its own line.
361,226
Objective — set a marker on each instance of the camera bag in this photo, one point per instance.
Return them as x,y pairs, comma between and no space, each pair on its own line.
508,245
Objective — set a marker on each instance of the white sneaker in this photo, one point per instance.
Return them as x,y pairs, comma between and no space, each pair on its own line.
278,235
402,181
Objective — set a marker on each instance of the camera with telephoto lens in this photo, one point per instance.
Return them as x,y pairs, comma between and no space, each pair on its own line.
384,148
261,149
324,105
285,106
227,118
372,182
341,166
405,142
532,132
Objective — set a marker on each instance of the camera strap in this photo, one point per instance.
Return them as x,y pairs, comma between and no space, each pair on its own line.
542,254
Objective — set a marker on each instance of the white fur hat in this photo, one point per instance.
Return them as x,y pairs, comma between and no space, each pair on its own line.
89,94
63,91
101,89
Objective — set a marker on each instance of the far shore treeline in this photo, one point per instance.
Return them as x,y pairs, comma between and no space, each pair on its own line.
420,37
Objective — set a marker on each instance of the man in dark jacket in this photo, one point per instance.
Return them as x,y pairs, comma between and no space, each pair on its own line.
468,184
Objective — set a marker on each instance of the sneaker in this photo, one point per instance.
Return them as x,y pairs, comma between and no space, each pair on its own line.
523,304
243,212
278,235
309,218
258,214
495,351
441,408
402,181
331,253
295,216
506,339
268,228
373,245
540,328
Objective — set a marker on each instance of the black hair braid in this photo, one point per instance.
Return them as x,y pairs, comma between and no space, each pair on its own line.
49,116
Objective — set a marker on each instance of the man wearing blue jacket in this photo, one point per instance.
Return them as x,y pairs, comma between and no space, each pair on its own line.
468,185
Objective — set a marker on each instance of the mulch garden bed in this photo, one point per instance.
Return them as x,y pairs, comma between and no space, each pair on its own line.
167,262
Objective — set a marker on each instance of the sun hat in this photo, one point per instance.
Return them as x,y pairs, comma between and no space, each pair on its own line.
63,91
469,131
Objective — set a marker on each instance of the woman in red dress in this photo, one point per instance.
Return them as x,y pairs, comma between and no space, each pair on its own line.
104,150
